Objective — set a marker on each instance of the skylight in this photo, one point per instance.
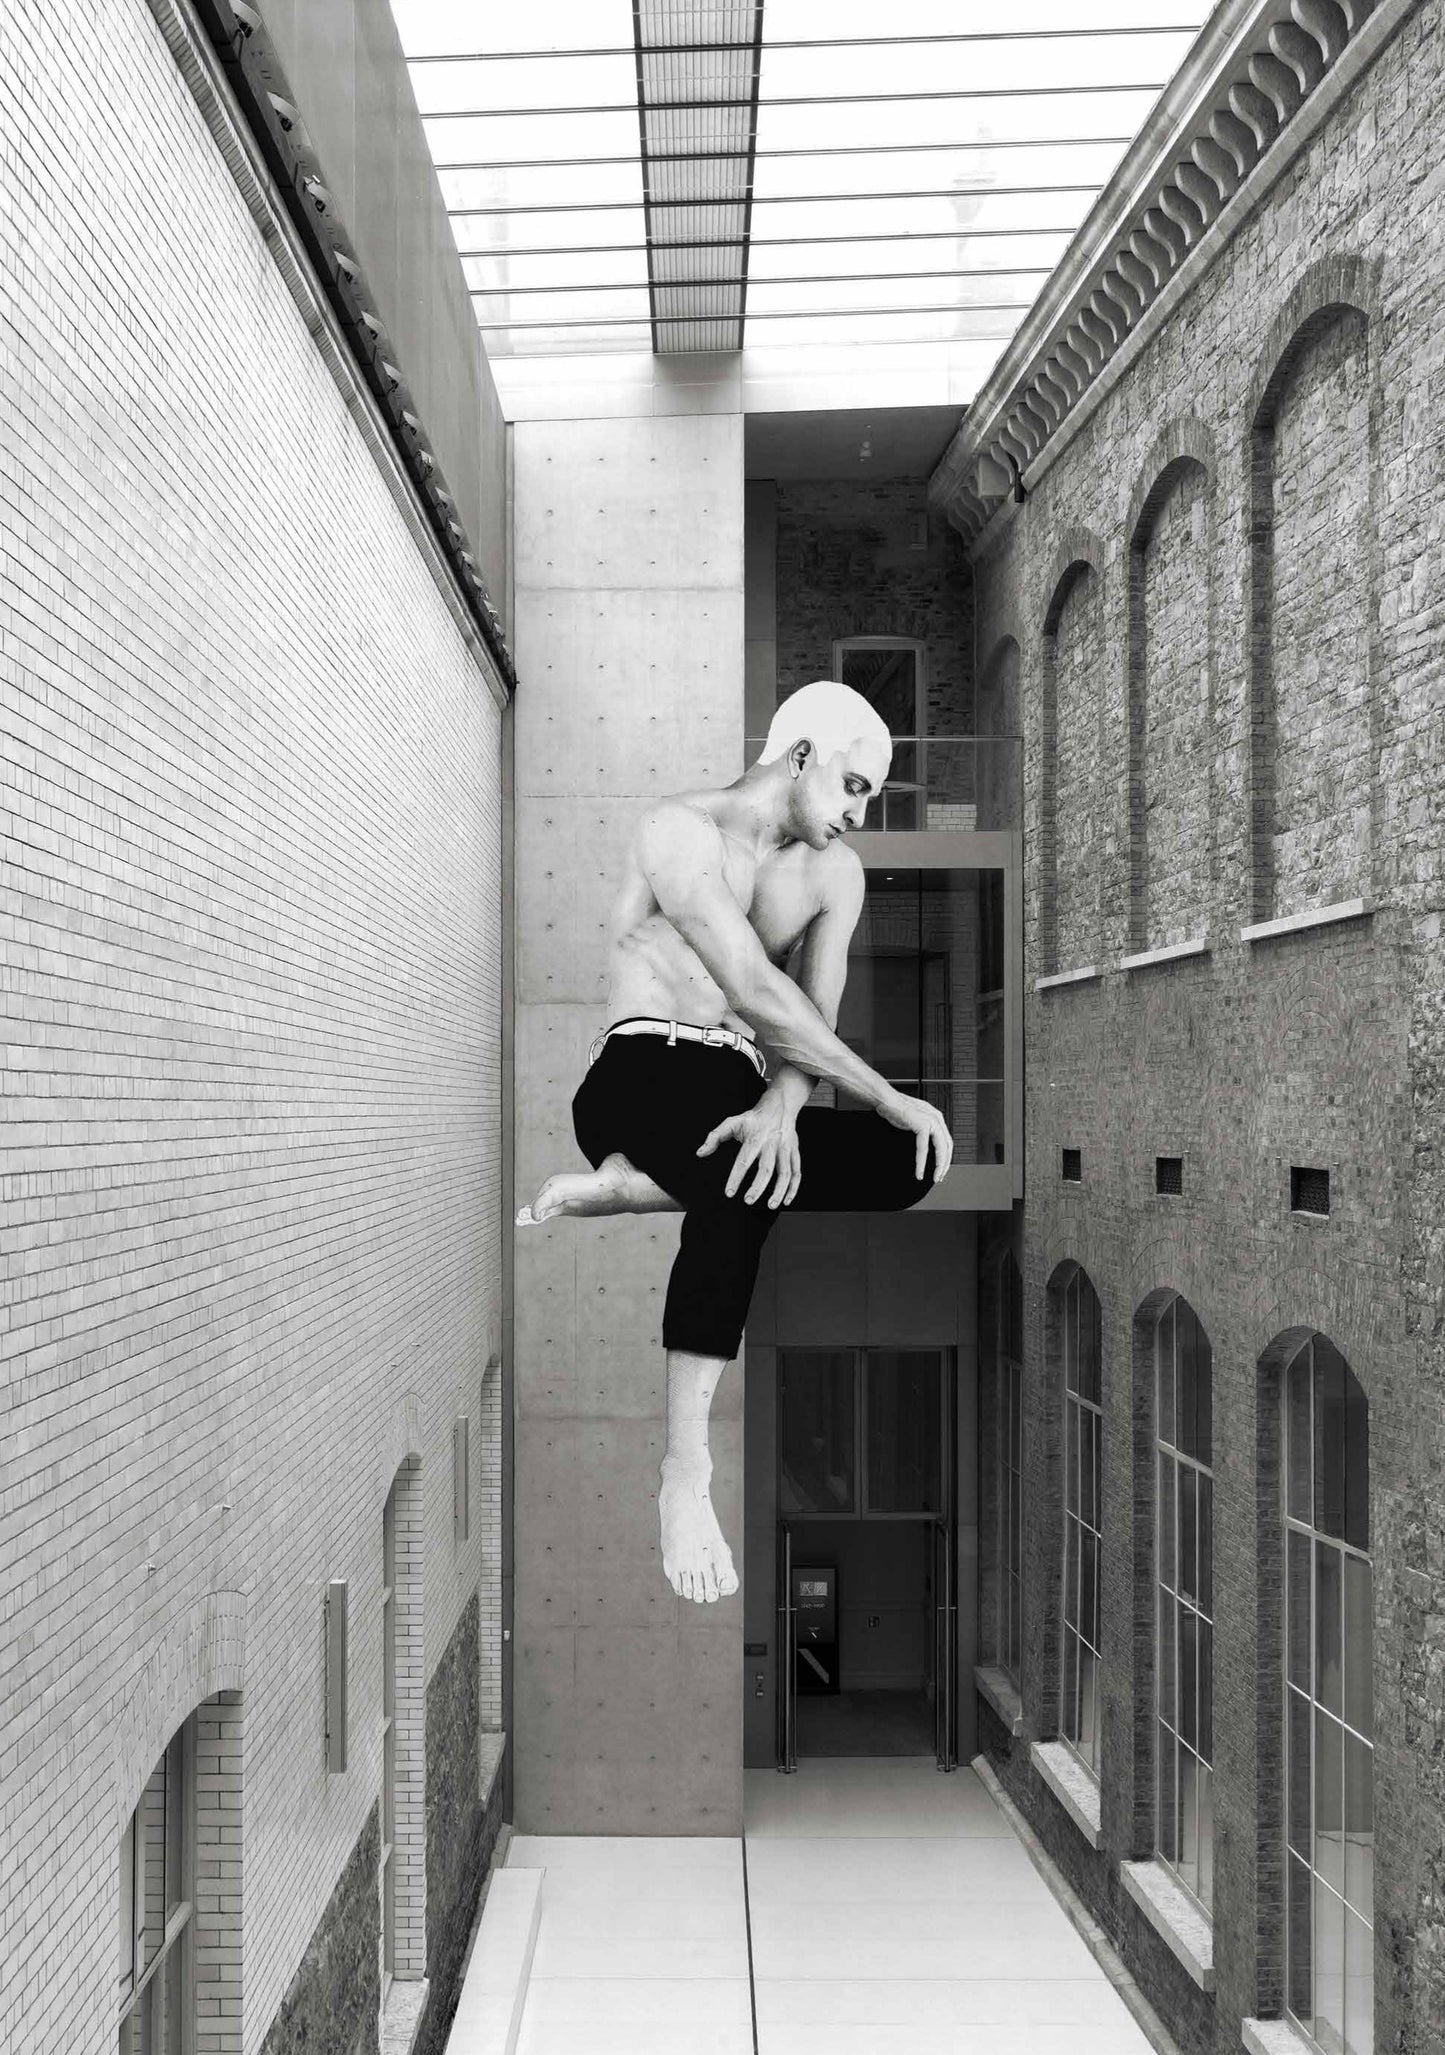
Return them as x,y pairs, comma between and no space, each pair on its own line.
848,174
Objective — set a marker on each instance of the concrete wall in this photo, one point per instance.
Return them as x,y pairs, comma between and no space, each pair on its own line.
629,640
1309,728
345,71
854,1280
249,1188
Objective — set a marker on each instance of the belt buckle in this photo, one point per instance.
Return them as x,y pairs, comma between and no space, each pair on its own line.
715,1037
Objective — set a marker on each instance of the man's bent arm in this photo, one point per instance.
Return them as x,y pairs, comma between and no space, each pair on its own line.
680,851
822,971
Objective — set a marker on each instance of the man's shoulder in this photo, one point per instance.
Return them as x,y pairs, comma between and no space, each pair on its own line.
841,871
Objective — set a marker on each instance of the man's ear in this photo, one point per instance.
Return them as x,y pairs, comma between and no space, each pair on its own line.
799,755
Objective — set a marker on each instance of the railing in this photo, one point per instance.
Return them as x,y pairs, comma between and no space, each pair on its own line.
975,1109
936,783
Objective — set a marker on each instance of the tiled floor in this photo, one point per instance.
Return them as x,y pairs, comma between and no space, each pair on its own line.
891,1908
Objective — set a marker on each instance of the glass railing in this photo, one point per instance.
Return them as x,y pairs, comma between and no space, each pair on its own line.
974,1108
937,783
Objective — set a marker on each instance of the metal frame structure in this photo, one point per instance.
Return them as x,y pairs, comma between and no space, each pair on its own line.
699,79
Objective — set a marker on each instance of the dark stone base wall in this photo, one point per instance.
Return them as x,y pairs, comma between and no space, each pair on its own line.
461,1831
334,2001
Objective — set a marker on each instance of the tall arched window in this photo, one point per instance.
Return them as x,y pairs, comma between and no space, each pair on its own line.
157,1905
1010,1468
1082,1350
1184,1593
1329,1750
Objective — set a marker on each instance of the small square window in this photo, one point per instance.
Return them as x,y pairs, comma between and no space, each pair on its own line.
1073,1167
1309,1189
1169,1175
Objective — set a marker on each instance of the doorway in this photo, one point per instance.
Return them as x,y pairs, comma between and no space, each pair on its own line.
867,1601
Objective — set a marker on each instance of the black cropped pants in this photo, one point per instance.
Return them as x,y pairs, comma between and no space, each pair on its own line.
656,1104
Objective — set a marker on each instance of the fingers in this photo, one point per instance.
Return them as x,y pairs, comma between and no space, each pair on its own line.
720,1134
767,1162
921,1141
942,1150
789,1173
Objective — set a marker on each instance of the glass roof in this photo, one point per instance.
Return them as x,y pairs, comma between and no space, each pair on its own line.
673,179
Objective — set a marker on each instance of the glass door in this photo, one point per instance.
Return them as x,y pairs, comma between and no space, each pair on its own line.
787,1656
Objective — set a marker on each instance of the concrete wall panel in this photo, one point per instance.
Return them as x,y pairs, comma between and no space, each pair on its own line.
629,635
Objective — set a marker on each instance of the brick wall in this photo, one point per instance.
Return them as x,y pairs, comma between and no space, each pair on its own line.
249,1192
1317,727
1169,770
848,564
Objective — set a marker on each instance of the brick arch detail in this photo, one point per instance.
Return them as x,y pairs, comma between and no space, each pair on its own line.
1079,549
1339,1301
201,1651
1338,283
1184,442
404,1439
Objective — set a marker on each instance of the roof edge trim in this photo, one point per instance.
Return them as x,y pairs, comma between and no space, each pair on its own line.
1182,187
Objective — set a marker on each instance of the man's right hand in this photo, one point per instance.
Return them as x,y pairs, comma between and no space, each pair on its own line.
927,1125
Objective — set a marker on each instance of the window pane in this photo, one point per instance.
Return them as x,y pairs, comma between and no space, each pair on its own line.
1188,1819
175,1822
1359,1826
1071,1333
1166,1521
150,1868
1329,2020
1071,1455
1206,1837
1089,1323
1206,1691
1206,1544
1088,1588
1088,1467
1088,1707
1328,1610
1359,1644
1297,1436
1357,1464
1297,1608
1329,1849
1329,1449
127,1908
1359,1986
818,1459
174,2004
1300,1948
1188,1678
1184,1353
1203,1392
1188,1532
1298,1772
1168,1798
905,1431
1164,1360
1070,1720
1168,1616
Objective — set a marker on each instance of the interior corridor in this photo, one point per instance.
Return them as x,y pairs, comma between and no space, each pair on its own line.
871,1907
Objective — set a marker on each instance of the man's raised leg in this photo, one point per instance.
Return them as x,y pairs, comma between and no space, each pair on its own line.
696,1560
615,1186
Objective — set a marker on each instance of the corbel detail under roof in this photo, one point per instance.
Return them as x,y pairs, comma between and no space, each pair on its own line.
1254,68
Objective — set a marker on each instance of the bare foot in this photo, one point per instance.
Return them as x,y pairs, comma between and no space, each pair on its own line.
696,1560
575,1193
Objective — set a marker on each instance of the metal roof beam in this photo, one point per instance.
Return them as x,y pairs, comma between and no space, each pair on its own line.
803,100
777,200
1163,28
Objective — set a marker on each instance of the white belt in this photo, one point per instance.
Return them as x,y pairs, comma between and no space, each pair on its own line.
684,1031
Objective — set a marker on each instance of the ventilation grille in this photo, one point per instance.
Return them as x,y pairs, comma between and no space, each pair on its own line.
1309,1189
1073,1167
1169,1175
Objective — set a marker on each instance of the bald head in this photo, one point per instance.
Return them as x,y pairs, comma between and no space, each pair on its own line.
830,716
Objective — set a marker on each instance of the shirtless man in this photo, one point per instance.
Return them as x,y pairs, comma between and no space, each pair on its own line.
722,890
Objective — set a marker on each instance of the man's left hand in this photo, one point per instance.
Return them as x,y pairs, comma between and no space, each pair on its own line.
767,1138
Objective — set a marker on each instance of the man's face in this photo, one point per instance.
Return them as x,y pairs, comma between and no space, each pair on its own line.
832,795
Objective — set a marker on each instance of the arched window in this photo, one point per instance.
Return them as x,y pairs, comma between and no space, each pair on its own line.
1081,1345
1184,1599
1329,1751
1009,1468
157,1905
403,1730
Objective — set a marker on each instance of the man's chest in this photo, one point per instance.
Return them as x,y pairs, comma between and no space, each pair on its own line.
782,901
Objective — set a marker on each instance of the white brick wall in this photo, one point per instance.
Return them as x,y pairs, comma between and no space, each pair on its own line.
249,1183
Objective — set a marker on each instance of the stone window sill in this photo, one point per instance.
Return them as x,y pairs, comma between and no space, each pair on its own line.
997,1689
1174,952
1300,923
1174,1916
1076,1791
1273,2037
1066,977
402,2015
